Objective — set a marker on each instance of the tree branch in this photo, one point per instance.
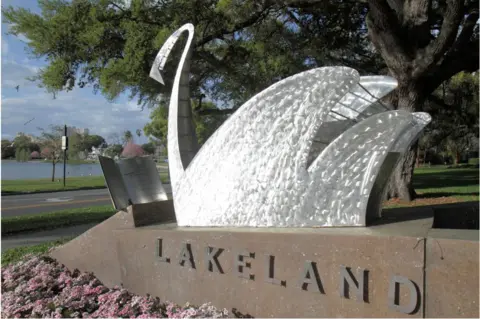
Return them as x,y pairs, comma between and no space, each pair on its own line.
237,27
428,57
385,33
465,58
467,30
416,19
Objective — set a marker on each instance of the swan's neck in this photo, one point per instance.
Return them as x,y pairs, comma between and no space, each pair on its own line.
182,140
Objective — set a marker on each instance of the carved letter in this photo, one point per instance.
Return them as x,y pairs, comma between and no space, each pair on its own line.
159,251
394,295
349,283
310,277
240,264
211,258
270,272
186,255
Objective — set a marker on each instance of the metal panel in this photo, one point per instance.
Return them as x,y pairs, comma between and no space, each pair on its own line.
142,180
115,184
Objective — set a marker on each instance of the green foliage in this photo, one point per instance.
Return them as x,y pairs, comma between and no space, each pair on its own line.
33,147
22,147
158,125
22,155
148,148
52,140
22,141
75,146
127,136
455,113
205,125
114,150
241,47
14,255
8,150
90,141
473,161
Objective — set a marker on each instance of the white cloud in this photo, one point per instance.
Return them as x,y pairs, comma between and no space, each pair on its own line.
4,47
72,109
80,107
14,73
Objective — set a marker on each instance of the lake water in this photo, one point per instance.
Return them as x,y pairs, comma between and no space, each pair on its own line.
39,169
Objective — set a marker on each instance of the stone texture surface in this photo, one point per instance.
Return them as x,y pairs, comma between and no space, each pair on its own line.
383,257
452,280
95,250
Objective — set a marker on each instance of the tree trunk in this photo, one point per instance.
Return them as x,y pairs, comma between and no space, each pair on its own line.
400,184
417,159
53,170
406,97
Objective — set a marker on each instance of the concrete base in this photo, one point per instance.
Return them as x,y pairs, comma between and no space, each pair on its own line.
392,269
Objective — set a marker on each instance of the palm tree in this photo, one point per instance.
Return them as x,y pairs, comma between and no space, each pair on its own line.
127,136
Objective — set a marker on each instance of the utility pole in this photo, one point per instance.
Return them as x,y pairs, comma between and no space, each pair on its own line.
64,148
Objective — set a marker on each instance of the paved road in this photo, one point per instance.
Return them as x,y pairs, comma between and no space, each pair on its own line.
16,205
40,237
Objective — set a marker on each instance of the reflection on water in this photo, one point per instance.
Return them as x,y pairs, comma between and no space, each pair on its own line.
40,169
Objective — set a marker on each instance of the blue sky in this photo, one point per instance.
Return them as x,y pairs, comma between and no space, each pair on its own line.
80,107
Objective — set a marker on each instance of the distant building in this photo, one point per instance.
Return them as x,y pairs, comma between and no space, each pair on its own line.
74,130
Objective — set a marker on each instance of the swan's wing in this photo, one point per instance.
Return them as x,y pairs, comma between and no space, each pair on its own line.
342,177
359,103
265,142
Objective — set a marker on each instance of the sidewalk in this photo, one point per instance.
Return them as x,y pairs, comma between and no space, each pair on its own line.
36,238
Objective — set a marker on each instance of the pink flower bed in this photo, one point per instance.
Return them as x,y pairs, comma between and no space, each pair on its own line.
40,287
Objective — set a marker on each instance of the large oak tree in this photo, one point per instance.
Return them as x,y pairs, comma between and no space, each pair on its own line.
423,43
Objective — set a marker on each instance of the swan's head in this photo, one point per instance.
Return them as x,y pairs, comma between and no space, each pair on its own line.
161,58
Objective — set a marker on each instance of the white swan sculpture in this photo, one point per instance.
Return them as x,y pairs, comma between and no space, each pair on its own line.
305,152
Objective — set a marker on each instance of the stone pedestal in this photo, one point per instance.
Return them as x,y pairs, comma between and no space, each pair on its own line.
400,267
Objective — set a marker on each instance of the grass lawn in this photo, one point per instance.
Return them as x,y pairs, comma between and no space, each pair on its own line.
442,185
63,218
15,254
46,184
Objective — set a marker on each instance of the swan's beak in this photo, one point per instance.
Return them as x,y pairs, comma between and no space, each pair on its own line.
156,74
